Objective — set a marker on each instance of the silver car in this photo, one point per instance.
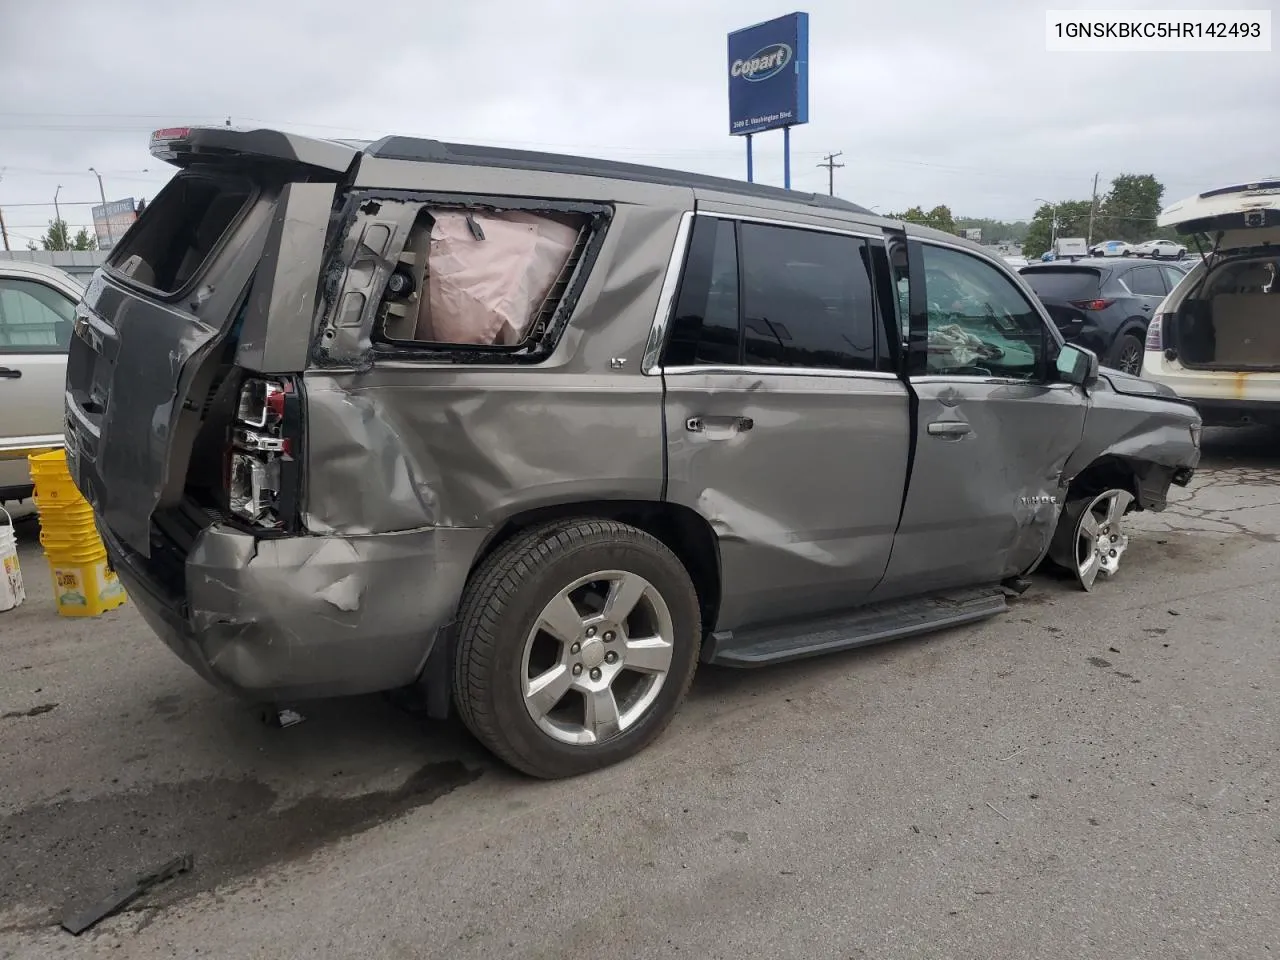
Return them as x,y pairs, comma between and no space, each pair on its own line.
534,435
37,307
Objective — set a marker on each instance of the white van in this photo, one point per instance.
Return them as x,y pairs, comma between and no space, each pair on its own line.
1216,338
1071,247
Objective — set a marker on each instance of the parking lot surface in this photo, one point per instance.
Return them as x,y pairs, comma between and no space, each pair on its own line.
1090,775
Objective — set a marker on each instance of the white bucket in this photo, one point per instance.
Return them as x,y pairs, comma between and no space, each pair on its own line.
12,592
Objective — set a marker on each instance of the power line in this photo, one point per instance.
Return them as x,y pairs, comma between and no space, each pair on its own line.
831,166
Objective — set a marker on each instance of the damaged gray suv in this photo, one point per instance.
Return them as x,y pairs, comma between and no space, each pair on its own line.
534,435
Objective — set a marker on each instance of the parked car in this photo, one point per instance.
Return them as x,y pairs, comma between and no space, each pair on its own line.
37,307
1103,304
1111,248
1216,338
1161,249
535,434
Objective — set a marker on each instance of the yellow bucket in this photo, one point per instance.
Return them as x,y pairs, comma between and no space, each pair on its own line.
50,464
85,589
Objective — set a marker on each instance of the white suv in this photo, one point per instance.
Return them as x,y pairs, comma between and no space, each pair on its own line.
37,313
1216,338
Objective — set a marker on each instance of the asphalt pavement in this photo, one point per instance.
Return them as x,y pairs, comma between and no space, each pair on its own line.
1089,775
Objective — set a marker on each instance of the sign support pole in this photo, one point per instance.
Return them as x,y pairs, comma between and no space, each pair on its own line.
750,172
786,157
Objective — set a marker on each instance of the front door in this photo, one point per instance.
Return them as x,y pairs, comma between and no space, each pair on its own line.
993,432
35,327
787,428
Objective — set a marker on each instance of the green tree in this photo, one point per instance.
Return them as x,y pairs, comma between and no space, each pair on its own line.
56,237
1073,221
994,231
1129,209
84,240
939,217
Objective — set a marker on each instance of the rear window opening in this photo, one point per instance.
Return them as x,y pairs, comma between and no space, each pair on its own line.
1232,321
1080,283
473,277
174,238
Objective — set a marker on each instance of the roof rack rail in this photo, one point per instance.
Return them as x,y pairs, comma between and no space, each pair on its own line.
437,151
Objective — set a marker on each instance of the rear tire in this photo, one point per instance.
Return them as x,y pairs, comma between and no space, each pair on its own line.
1126,354
535,680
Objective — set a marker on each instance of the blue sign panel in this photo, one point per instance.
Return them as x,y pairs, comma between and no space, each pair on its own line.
769,75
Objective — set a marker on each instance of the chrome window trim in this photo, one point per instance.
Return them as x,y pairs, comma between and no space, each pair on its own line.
768,371
791,224
666,297
650,366
994,381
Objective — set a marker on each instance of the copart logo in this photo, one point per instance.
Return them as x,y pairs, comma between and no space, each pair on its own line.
764,63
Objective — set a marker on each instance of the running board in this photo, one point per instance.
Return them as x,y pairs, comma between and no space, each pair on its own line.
877,623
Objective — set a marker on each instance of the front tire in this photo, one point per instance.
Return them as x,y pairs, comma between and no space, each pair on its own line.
577,643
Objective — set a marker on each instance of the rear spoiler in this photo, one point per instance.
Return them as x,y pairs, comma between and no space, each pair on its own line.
184,146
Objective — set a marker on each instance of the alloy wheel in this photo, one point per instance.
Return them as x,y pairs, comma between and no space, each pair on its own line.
1100,540
597,657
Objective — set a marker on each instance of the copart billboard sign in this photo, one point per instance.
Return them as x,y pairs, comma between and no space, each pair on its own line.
769,75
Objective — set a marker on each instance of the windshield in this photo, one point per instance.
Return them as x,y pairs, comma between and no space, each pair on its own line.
1080,283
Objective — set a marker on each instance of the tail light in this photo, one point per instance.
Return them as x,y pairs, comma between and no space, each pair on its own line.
1155,334
261,470
1092,304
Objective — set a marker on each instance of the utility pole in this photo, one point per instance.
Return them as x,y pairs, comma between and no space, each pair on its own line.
1093,207
111,241
832,166
3,232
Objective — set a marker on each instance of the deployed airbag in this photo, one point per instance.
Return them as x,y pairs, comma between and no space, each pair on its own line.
489,273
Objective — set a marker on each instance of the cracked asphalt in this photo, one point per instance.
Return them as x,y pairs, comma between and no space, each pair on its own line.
1089,775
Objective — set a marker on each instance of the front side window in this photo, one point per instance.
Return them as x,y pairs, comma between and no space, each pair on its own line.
34,318
807,299
979,323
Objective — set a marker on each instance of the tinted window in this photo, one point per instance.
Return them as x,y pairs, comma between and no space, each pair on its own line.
178,231
34,318
1146,282
979,322
705,325
807,299
1063,284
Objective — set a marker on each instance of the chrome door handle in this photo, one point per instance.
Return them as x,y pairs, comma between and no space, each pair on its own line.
719,428
954,429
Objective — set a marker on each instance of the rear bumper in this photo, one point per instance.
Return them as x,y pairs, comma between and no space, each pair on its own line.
1239,413
304,617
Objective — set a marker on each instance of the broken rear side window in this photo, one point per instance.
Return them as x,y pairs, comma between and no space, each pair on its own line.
173,240
481,277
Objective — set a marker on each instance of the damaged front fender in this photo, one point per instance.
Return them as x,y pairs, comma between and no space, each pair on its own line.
1156,437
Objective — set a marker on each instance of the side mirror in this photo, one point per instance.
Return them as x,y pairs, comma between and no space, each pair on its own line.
1077,365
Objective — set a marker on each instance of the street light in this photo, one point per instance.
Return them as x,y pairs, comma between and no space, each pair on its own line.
1053,221
57,212
111,242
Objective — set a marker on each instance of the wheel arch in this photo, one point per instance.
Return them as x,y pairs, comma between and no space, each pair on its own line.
684,531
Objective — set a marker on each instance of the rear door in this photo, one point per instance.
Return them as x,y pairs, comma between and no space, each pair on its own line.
36,317
993,432
154,331
786,427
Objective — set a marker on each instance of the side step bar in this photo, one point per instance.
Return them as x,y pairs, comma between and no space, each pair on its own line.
873,624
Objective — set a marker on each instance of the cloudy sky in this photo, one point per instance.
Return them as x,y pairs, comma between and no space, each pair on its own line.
931,101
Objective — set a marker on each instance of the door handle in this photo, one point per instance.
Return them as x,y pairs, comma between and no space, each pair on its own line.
719,428
7,373
949,428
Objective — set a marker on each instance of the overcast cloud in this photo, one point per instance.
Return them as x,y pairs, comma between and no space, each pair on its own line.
931,101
